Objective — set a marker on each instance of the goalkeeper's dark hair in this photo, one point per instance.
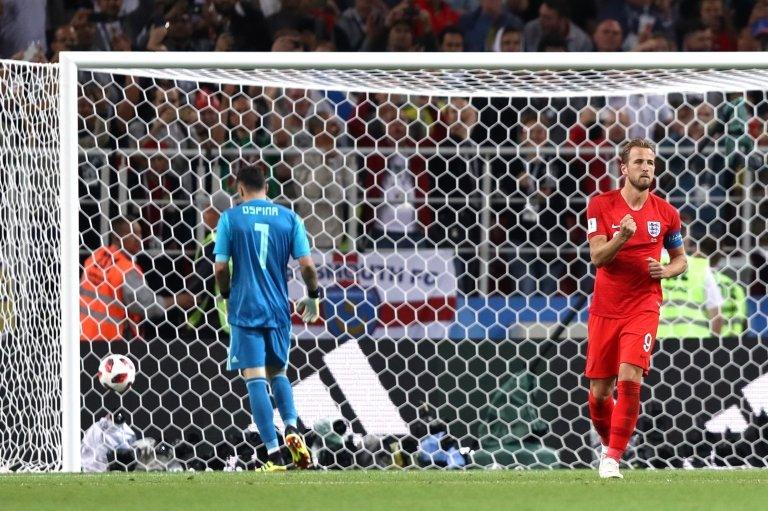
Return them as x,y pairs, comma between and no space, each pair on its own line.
642,143
252,178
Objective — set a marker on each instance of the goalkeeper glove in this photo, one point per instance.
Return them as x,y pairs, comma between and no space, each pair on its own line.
309,307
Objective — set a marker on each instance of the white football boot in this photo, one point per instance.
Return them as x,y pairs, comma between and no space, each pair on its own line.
609,468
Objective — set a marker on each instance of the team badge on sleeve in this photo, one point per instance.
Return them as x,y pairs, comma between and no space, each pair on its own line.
654,229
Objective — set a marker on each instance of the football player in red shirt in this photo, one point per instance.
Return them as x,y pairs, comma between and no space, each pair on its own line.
626,229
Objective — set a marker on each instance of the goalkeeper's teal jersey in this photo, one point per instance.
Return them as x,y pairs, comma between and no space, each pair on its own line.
260,237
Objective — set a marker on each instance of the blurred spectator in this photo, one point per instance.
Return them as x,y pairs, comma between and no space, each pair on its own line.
324,179
451,39
417,20
509,39
455,175
92,128
693,301
398,37
396,185
481,25
93,138
746,42
594,138
758,23
695,36
325,45
114,297
209,319
656,42
639,18
552,42
307,18
695,177
716,17
369,25
243,21
245,136
400,31
456,188
112,21
85,29
608,36
646,114
441,15
735,306
64,39
528,217
359,22
22,28
224,42
288,40
465,6
554,21
183,31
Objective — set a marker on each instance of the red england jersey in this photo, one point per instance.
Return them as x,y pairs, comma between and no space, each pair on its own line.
624,286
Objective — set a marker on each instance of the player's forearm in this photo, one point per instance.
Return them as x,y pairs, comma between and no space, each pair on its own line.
675,267
716,324
140,299
715,320
223,279
309,274
606,252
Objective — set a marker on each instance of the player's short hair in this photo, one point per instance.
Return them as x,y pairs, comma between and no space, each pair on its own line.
642,143
252,177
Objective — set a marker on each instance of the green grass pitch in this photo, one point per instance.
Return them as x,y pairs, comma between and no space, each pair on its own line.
565,490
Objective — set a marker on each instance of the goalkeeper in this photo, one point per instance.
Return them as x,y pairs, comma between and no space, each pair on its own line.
260,236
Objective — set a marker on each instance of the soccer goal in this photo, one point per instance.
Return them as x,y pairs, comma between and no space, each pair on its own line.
444,199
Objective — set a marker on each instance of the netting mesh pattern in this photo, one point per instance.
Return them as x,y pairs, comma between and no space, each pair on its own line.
30,424
478,82
445,211
449,235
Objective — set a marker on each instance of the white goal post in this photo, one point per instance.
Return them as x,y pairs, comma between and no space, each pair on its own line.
577,78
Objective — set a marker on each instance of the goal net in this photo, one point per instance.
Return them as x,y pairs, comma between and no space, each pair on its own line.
445,210
30,292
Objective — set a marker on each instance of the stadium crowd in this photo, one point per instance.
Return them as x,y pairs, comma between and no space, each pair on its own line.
39,29
326,152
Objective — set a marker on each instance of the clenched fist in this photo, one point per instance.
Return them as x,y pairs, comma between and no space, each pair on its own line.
655,269
628,227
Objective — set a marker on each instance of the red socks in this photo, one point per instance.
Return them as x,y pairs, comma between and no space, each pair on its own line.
600,411
624,418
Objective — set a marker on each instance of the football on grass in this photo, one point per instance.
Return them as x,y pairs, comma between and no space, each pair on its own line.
116,372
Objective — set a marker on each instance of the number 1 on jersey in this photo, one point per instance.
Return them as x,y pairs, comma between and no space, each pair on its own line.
263,229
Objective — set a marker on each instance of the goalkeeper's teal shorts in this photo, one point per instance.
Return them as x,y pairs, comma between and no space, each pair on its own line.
258,347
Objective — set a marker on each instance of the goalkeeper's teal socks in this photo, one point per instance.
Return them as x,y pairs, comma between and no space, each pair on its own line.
281,389
262,412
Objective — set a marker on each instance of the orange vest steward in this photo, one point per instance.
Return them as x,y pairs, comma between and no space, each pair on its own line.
103,314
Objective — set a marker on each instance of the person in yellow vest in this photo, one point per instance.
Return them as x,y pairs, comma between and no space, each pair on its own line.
692,301
734,308
209,318
114,296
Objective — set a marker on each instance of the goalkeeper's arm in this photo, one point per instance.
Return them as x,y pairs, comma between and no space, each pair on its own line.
309,307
